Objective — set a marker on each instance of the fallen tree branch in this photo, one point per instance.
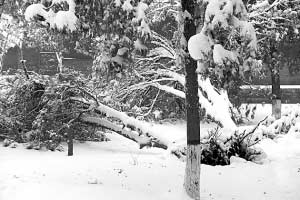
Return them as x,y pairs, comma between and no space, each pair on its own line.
142,140
143,127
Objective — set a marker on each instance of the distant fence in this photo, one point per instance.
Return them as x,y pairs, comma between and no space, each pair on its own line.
290,94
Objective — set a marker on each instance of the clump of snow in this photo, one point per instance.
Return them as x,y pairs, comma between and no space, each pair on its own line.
60,20
127,6
140,10
218,12
34,10
118,3
64,19
239,9
221,55
199,46
144,28
138,45
247,30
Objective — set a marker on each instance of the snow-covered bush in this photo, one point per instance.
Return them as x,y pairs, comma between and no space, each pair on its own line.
271,128
217,151
225,47
40,111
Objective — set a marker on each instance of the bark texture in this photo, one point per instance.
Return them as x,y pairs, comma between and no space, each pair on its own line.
192,171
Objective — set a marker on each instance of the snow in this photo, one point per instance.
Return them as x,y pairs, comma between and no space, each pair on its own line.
222,16
60,20
117,169
219,103
239,9
34,10
276,179
144,28
127,6
5,84
221,55
218,12
162,52
111,170
118,3
247,31
261,4
138,45
140,10
216,101
269,86
63,19
199,46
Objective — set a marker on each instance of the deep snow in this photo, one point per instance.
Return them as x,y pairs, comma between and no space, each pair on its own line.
119,170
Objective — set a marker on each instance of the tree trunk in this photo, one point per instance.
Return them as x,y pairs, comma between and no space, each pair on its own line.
276,93
23,61
1,7
192,172
59,58
70,142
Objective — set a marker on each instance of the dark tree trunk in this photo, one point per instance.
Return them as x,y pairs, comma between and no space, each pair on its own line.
1,6
276,93
192,99
192,174
23,61
70,142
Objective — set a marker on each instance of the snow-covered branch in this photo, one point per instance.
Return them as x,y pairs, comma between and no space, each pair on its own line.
60,20
142,127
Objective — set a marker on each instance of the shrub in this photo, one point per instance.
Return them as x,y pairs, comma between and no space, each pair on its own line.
41,111
218,152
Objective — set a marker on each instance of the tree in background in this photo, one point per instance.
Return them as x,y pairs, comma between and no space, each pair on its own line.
276,24
1,6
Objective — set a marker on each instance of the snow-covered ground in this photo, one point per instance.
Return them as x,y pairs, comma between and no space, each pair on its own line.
107,170
119,170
